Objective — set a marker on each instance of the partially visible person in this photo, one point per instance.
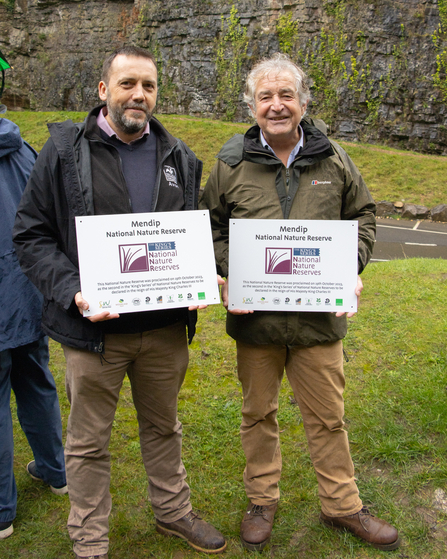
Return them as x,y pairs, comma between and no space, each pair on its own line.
284,167
24,353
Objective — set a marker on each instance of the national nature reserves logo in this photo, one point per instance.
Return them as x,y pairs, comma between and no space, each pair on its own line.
133,258
278,260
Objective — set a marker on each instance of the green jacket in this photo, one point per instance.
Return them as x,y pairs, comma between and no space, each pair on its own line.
250,182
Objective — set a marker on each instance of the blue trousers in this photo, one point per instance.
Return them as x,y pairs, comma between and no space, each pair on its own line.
25,370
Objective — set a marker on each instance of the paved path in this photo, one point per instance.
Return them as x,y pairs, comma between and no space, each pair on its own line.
409,239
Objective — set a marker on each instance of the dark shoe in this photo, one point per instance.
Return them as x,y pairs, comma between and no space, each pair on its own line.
6,530
364,525
31,469
256,526
199,534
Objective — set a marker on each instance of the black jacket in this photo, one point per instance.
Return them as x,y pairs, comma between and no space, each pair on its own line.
60,187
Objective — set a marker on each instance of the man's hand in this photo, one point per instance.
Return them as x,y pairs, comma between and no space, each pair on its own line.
224,294
220,281
84,306
358,291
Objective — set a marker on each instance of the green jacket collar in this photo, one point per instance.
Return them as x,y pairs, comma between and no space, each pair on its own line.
248,147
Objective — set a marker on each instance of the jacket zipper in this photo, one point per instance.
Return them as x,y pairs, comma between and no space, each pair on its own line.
120,166
157,178
288,202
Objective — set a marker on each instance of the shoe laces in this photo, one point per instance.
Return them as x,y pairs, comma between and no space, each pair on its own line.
191,516
257,510
365,512
364,516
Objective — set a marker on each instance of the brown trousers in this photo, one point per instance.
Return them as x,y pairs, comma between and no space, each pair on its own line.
156,363
317,380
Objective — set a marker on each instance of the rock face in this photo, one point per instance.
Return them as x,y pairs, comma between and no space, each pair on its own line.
413,211
373,65
385,209
439,213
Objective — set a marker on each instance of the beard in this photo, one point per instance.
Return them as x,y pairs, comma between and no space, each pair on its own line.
123,121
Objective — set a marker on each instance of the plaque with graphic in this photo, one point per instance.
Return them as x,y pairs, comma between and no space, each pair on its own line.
293,265
146,261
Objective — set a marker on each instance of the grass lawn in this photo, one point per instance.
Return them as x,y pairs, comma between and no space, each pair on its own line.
390,174
396,411
396,415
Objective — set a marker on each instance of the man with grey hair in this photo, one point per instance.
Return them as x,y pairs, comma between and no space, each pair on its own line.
285,167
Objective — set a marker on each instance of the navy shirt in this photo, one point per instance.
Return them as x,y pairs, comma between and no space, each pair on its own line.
139,163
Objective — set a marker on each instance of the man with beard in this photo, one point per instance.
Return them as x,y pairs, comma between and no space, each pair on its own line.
120,160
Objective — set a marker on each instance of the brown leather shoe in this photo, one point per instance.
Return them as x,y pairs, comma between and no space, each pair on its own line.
256,526
92,556
364,525
196,532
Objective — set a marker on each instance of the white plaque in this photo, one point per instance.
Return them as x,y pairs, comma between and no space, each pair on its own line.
293,265
146,261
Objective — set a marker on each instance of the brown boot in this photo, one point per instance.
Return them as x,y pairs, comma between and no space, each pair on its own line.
364,525
105,556
256,526
198,534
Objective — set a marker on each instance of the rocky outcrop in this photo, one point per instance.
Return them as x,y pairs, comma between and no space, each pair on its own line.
374,67
411,211
414,211
439,213
385,209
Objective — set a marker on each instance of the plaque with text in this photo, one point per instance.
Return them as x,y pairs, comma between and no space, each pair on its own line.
146,261
293,265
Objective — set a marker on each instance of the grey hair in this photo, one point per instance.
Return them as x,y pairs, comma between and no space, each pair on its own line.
277,64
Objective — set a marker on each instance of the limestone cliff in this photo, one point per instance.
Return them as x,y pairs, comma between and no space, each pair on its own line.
377,66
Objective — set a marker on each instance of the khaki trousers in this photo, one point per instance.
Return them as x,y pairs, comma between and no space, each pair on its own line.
317,380
155,362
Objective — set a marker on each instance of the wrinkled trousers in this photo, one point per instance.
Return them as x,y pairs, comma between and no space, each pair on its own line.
317,380
156,363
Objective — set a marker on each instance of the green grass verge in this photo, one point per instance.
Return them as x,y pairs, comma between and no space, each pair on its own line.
396,415
390,174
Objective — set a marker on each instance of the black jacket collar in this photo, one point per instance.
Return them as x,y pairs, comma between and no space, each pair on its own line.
92,130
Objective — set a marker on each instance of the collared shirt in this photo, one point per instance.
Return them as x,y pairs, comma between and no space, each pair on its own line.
138,163
294,151
105,127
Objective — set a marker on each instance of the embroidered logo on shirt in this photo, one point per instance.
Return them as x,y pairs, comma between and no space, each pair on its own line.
320,182
171,175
